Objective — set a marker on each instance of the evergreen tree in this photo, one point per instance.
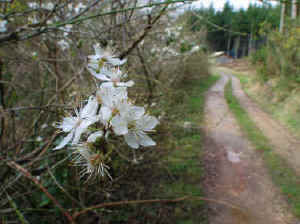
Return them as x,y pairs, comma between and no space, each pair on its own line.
228,24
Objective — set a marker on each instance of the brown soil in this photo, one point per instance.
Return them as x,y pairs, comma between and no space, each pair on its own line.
283,141
240,65
237,178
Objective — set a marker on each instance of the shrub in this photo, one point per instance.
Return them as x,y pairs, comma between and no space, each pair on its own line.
280,58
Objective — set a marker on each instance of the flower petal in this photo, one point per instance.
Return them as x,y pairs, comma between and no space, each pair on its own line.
136,112
65,141
105,113
145,140
130,83
80,129
147,123
90,109
98,49
107,84
123,61
126,84
117,61
119,125
93,137
98,75
67,124
131,140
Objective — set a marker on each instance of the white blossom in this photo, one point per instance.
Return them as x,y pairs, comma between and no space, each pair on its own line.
103,57
126,113
79,7
113,101
3,24
49,22
92,162
153,104
195,49
33,5
111,108
110,96
111,76
67,29
137,132
70,6
45,125
76,125
179,28
33,20
49,6
93,137
63,44
134,125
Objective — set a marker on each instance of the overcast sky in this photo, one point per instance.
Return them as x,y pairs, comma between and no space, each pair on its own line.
218,4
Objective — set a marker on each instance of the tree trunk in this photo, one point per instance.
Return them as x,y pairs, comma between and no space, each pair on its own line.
282,17
237,46
294,9
2,105
250,46
244,50
229,43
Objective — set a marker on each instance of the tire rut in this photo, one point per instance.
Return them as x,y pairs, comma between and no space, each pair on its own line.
283,142
236,173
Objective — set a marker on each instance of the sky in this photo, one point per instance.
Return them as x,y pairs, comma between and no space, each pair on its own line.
218,4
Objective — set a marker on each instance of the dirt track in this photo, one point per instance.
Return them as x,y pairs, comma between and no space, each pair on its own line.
237,174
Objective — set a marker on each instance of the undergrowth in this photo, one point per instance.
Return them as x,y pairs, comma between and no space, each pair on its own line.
184,162
278,73
282,175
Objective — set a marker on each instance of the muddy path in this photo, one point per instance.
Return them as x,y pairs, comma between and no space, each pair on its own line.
236,173
283,142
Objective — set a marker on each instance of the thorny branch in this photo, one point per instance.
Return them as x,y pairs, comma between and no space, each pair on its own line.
31,32
28,175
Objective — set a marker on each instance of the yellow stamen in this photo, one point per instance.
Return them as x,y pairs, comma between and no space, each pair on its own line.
101,63
115,111
96,160
131,125
99,99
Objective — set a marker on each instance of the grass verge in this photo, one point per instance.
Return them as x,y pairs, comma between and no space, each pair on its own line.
277,100
281,173
184,161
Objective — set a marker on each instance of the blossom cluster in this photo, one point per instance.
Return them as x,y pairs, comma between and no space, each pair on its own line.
3,24
67,10
108,113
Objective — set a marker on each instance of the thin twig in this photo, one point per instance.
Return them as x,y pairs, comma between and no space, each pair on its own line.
27,174
120,203
46,107
44,150
62,189
15,35
144,34
185,198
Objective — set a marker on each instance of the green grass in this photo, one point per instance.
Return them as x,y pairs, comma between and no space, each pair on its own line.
185,160
282,175
243,79
282,104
